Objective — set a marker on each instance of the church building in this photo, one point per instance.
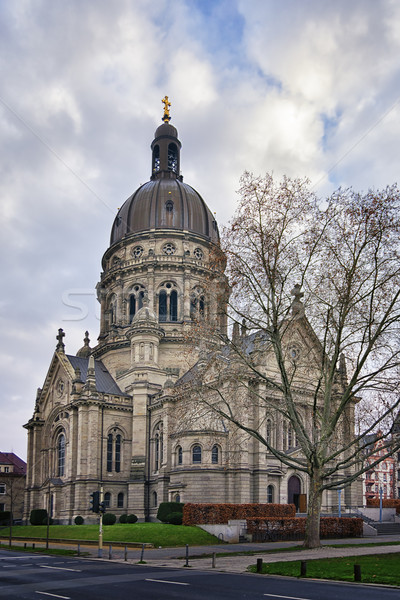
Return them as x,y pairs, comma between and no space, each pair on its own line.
107,418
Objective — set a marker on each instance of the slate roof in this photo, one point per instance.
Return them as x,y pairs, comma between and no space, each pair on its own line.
104,381
9,458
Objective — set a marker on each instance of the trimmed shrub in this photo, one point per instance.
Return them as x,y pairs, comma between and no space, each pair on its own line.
267,529
38,516
175,518
386,503
78,520
213,514
123,519
166,508
131,519
5,517
109,519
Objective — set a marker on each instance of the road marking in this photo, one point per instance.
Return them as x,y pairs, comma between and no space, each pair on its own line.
60,568
54,595
165,581
288,597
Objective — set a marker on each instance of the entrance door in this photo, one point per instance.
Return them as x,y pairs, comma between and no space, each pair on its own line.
294,489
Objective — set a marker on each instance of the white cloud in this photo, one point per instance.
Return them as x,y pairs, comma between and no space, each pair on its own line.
297,88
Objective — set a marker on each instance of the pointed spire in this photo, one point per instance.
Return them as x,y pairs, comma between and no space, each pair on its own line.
235,332
91,375
343,368
86,350
243,328
60,345
297,305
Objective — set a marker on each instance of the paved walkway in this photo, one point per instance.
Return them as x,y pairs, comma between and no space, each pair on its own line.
175,557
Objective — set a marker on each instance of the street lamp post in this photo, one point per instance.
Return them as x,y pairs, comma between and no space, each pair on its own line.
380,503
340,502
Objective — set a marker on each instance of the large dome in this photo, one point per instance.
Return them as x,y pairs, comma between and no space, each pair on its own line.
165,202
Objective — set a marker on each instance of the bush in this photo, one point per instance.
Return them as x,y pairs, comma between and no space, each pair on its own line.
109,519
132,518
123,519
386,503
175,518
38,516
5,517
166,508
78,520
195,514
267,529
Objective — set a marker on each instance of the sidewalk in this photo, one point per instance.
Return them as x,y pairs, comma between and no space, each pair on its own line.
175,557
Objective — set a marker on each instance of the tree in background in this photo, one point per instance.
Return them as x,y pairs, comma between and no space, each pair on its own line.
315,306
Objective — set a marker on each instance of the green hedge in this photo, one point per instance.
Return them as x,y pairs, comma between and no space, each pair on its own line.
5,517
196,514
109,519
38,516
166,508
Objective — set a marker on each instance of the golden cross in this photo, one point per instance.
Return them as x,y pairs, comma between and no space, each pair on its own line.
166,118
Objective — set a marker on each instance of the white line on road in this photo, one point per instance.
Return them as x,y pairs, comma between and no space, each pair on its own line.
60,568
165,581
54,595
288,597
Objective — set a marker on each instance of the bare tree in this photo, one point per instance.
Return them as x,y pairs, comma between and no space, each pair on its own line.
317,285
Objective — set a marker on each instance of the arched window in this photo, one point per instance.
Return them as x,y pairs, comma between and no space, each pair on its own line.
196,455
107,499
155,499
197,304
112,309
136,300
177,498
215,455
61,455
120,500
179,455
158,446
168,302
118,453
284,436
290,436
270,494
268,432
109,452
114,449
172,158
156,158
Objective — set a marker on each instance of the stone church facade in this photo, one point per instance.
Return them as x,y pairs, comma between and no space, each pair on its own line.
107,418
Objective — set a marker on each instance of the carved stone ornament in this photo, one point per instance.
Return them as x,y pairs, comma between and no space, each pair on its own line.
60,387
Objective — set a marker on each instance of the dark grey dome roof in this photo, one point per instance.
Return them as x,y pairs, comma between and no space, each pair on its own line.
150,208
165,202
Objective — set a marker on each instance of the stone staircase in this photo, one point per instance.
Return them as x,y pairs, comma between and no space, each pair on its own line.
387,528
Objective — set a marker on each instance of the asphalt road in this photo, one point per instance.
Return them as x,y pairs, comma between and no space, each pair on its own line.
31,577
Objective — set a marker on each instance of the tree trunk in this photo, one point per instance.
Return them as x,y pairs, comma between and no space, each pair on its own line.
312,538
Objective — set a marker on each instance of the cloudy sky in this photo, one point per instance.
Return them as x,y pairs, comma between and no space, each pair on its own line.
301,87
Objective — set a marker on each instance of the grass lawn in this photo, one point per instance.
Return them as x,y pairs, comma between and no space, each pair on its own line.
159,534
381,568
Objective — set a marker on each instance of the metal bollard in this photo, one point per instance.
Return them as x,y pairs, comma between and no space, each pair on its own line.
213,560
25,545
110,552
187,555
79,549
142,553
33,546
259,565
357,572
303,568
126,553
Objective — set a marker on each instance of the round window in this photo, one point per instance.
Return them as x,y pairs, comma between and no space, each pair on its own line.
137,251
198,253
169,249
